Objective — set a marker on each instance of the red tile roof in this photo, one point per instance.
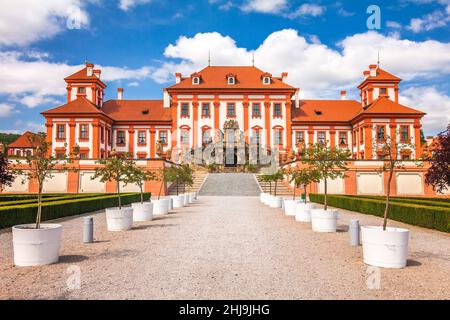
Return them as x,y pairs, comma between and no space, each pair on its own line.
384,105
135,110
27,140
81,75
216,78
80,105
325,110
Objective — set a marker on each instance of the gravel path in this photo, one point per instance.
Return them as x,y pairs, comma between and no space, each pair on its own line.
226,248
230,184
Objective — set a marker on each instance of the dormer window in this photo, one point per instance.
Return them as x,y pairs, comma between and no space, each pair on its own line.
196,80
231,80
266,80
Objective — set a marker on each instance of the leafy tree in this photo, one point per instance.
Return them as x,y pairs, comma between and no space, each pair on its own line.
438,174
187,176
303,177
40,167
138,176
388,147
6,173
171,174
328,162
267,179
275,177
115,168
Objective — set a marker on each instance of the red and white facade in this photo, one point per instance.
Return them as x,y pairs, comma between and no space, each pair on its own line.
195,109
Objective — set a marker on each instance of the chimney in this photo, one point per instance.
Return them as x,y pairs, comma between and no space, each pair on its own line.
119,93
297,98
366,74
97,73
177,77
343,95
284,76
90,69
373,70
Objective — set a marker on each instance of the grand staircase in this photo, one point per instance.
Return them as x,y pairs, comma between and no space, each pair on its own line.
283,188
199,177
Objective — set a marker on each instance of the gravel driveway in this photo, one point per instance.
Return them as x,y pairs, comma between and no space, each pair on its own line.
225,248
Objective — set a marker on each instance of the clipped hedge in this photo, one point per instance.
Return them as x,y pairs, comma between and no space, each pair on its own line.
26,213
432,217
49,199
424,202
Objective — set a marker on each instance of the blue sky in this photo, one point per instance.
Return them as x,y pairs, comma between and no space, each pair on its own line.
140,44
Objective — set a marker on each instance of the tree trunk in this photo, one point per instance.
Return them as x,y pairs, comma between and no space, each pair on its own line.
293,198
160,188
142,194
270,187
388,193
118,193
176,181
326,191
39,210
305,192
275,191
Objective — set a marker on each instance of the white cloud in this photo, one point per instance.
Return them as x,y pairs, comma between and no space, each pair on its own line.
125,5
25,21
393,24
313,66
34,82
307,9
428,99
264,6
133,84
5,110
433,20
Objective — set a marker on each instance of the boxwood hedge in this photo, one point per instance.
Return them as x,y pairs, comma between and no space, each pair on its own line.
432,217
425,201
26,213
48,199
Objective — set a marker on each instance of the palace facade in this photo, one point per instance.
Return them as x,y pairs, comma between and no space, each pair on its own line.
195,110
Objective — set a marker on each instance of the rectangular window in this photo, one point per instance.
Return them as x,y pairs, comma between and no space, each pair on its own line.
257,136
205,110
59,155
256,110
84,131
18,153
206,137
108,137
163,137
277,110
299,137
61,131
383,91
277,137
120,138
404,134
231,110
184,137
361,135
102,134
83,155
321,137
405,157
142,137
380,133
81,90
185,110
342,138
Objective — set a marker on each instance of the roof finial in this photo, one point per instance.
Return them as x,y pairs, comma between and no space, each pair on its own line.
253,59
378,59
209,58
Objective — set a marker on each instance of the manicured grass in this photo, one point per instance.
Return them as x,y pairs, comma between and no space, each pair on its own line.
423,215
26,213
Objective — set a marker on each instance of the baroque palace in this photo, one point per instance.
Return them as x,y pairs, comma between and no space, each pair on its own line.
262,107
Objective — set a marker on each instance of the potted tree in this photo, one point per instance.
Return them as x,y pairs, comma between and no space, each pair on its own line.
188,174
142,211
276,201
329,163
116,169
38,243
264,195
161,205
382,246
172,174
289,204
304,177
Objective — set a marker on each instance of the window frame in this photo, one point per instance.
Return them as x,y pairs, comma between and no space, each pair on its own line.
278,132
407,133
166,137
324,137
121,144
184,104
228,110
80,132
256,115
297,133
208,114
345,138
378,133
275,115
139,142
58,132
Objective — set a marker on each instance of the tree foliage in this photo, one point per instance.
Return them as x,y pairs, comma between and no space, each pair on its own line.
6,173
438,174
139,176
303,177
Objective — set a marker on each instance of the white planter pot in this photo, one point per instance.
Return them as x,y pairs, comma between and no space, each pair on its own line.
35,247
119,219
186,199
170,203
267,199
191,197
303,211
178,201
160,207
142,211
324,220
275,202
261,197
289,207
386,249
